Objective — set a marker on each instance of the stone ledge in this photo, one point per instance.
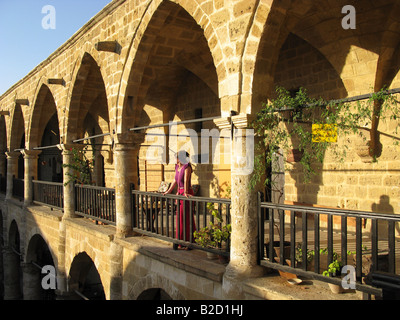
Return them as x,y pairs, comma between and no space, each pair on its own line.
193,261
45,212
104,232
274,287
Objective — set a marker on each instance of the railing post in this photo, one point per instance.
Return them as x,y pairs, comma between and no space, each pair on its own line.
12,170
30,173
260,198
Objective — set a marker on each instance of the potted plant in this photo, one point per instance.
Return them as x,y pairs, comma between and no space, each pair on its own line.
313,126
215,235
334,270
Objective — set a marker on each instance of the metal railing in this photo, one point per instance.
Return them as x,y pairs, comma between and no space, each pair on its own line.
18,188
97,203
156,216
306,240
3,184
50,194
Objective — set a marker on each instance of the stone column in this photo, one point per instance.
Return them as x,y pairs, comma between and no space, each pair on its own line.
69,189
32,282
62,288
12,170
116,271
243,258
125,156
12,275
31,172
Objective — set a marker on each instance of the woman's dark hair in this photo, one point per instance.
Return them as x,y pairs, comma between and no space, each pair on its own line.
183,156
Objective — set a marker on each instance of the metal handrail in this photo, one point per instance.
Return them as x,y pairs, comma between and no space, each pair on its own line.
334,211
155,215
294,235
97,203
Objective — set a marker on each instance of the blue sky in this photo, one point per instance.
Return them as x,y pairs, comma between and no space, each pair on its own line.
24,43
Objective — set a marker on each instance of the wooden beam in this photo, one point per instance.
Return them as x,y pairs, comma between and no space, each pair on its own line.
4,113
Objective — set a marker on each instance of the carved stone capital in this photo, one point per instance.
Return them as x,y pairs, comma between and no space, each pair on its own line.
31,154
13,155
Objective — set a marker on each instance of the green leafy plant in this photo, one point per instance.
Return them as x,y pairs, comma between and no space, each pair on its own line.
80,168
334,269
215,234
311,126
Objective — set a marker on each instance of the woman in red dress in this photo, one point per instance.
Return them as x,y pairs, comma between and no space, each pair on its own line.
183,175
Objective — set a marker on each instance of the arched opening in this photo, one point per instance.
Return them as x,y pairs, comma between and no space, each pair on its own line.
3,150
38,256
88,116
17,140
1,257
154,295
45,132
84,279
175,79
12,265
301,65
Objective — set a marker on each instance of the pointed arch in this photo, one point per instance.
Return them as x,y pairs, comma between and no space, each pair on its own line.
156,17
44,108
86,85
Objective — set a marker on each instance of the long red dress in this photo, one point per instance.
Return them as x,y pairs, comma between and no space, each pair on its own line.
180,179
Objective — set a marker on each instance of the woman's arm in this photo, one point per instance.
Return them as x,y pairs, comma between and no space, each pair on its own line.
188,175
173,184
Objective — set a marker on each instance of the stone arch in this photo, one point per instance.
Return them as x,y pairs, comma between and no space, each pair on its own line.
155,281
85,278
17,132
1,256
14,239
86,65
44,107
389,57
133,74
13,270
38,255
319,24
3,146
36,238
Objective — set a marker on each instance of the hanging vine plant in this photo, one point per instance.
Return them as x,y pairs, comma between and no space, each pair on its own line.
80,168
311,126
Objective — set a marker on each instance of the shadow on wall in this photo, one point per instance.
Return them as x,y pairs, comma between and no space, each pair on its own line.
384,206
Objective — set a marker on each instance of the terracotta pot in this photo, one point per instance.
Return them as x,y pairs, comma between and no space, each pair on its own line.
335,288
277,250
212,256
223,259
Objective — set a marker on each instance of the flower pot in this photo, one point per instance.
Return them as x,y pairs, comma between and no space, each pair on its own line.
223,259
286,256
336,288
277,250
212,256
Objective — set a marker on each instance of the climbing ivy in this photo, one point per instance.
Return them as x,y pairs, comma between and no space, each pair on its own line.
312,126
